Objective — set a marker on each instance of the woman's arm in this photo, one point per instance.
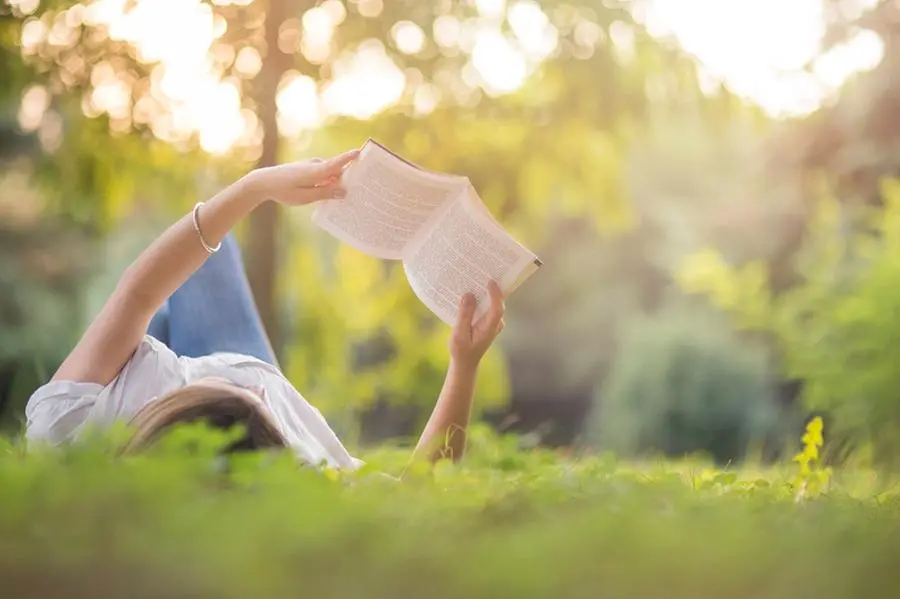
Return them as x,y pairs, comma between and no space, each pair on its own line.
171,259
445,433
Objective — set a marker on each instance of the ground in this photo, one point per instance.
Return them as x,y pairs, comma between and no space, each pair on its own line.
503,523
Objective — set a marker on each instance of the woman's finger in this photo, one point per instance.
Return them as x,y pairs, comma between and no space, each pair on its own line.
491,323
333,166
467,307
495,315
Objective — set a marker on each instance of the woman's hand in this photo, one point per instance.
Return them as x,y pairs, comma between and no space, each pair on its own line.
302,182
470,341
445,432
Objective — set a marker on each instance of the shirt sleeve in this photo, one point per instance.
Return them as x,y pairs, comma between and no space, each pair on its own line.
56,411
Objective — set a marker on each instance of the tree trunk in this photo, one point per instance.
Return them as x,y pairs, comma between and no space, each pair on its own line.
262,243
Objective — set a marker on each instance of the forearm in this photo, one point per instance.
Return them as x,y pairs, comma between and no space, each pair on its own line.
445,433
177,254
162,268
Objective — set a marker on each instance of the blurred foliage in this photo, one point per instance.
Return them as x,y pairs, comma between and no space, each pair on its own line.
812,479
347,353
852,139
86,172
179,522
37,288
610,162
833,325
683,384
553,151
563,328
575,313
838,330
67,181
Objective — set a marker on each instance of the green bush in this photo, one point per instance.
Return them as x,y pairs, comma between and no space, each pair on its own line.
504,523
683,384
42,273
838,329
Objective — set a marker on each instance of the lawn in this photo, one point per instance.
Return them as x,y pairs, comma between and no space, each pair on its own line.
503,523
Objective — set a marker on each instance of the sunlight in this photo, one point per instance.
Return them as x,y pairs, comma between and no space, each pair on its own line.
298,104
500,66
409,37
177,34
490,8
219,121
168,30
537,36
365,83
248,62
35,102
757,47
26,7
335,9
863,52
446,30
370,8
318,31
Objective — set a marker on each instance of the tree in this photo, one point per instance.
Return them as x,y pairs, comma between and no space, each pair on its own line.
552,153
82,48
851,141
262,244
839,305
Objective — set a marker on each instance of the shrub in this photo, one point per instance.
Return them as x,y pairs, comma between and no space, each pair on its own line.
838,329
683,384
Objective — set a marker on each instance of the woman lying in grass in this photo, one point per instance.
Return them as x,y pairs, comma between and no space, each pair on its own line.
180,341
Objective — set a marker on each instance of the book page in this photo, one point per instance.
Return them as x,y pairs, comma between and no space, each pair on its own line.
462,254
389,202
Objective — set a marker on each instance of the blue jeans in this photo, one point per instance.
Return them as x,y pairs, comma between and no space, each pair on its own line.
214,311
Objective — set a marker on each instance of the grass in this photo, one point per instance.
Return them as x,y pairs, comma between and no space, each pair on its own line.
505,523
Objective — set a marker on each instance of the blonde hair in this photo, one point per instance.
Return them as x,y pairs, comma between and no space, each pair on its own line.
221,406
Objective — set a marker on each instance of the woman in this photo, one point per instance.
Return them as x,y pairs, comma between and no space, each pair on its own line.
179,340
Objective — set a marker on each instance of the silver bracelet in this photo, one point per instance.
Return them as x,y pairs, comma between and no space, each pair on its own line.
206,246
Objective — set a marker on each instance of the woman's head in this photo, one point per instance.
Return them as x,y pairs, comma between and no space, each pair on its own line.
218,404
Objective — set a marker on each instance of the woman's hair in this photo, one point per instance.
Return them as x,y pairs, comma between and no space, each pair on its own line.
216,405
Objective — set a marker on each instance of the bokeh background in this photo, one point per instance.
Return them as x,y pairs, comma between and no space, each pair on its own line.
708,183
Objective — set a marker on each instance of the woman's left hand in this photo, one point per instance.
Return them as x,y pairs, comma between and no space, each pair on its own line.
302,182
471,340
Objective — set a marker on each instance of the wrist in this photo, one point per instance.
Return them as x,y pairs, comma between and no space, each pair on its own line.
463,368
252,188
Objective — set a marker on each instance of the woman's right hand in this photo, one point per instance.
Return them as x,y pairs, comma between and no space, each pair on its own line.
471,340
302,182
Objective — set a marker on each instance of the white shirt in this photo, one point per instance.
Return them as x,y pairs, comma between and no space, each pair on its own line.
60,411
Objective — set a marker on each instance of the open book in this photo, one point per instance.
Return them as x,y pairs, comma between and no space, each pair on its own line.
435,223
